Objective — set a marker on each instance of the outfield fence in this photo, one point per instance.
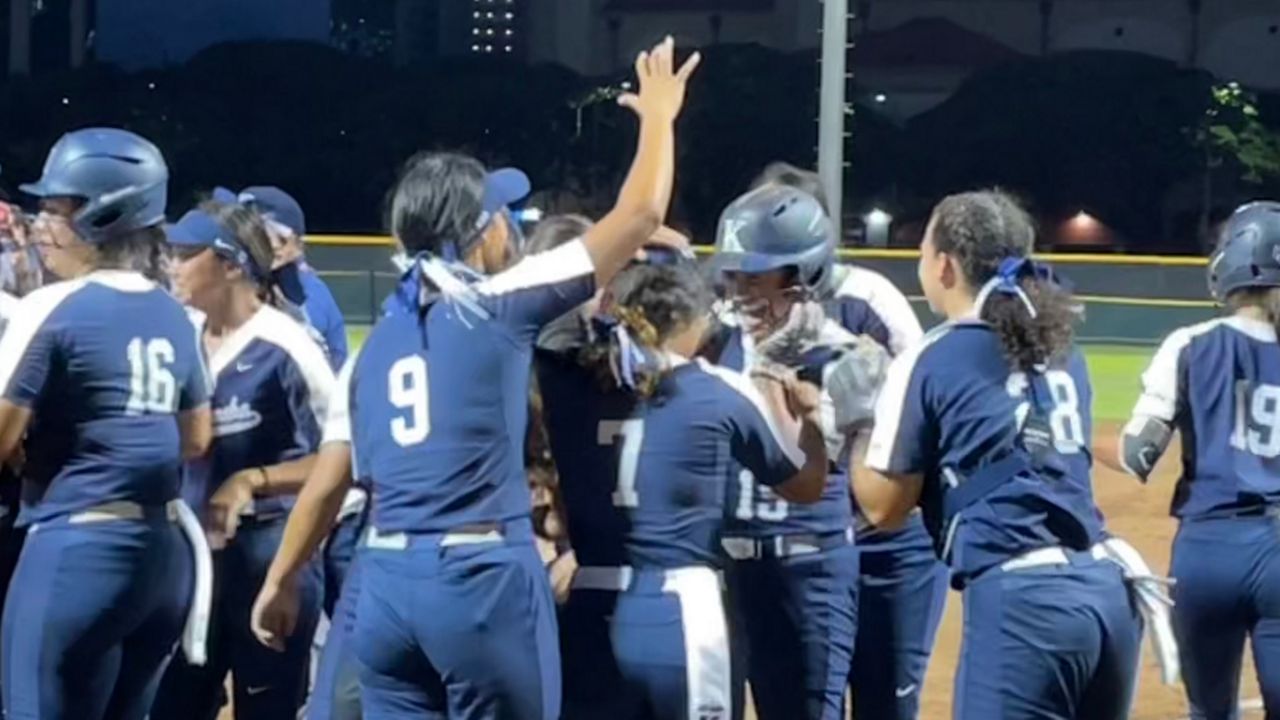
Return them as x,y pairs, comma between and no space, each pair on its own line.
1129,299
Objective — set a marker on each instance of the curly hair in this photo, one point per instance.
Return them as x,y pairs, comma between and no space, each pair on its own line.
980,230
653,303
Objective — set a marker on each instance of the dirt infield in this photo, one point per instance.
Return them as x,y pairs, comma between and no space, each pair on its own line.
1138,513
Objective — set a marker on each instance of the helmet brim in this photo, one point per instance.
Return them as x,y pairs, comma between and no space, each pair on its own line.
751,263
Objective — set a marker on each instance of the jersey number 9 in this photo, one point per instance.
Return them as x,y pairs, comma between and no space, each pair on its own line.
407,391
151,384
1257,426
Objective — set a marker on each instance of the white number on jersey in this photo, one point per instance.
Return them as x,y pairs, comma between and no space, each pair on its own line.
1257,427
151,384
407,391
770,508
1064,419
632,434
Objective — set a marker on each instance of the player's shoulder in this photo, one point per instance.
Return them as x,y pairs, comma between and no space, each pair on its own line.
941,346
277,328
1184,337
726,381
863,283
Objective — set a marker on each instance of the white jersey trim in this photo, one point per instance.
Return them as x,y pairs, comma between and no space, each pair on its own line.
28,317
337,426
887,301
129,281
563,263
743,385
276,328
893,395
1159,398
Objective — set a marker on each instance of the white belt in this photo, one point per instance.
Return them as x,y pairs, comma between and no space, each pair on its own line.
400,541
779,546
1149,592
619,579
195,633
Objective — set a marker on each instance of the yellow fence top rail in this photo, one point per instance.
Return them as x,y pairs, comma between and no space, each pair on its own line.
850,253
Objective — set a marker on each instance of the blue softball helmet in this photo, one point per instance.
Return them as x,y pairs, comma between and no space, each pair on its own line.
121,177
1248,254
775,227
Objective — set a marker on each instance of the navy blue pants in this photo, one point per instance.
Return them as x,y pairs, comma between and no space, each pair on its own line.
96,611
267,684
1054,641
593,686
464,632
336,692
795,619
1228,573
902,591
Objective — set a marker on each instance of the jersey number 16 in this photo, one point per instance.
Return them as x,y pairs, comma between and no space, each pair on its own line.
151,384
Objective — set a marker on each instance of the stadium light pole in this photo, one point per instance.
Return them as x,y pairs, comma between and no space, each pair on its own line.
831,104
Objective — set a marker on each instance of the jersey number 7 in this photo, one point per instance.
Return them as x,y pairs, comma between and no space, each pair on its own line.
632,434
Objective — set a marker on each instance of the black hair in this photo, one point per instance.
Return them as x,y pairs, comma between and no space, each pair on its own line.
250,232
437,201
786,174
1265,298
980,230
653,303
556,230
144,250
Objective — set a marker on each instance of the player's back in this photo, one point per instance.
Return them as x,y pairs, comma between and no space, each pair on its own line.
105,362
1224,378
439,400
581,419
958,384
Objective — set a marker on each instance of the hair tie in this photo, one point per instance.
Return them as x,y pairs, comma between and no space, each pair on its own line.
1007,281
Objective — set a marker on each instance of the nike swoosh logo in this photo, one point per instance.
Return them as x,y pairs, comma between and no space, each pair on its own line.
256,690
904,691
244,367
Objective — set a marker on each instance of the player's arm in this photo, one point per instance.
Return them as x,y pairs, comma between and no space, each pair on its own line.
195,417
26,354
885,499
195,429
1146,436
275,613
886,464
642,203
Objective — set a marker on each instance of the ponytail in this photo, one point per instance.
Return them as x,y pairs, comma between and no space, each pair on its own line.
1030,341
649,304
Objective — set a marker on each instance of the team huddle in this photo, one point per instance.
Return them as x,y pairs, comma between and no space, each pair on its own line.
588,476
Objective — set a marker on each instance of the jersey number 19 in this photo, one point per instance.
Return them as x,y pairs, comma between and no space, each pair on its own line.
1257,426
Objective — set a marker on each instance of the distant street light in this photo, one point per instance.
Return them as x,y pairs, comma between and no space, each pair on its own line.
878,218
881,98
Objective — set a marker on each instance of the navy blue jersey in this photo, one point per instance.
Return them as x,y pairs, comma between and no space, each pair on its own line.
754,510
643,483
950,406
437,414
105,363
270,397
1218,383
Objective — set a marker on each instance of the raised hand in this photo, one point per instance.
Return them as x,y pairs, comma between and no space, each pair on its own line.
662,87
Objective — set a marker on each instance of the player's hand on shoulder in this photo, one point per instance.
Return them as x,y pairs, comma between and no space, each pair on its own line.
662,86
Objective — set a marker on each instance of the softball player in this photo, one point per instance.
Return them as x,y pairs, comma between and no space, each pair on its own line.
271,391
454,616
986,424
104,375
1218,384
645,608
